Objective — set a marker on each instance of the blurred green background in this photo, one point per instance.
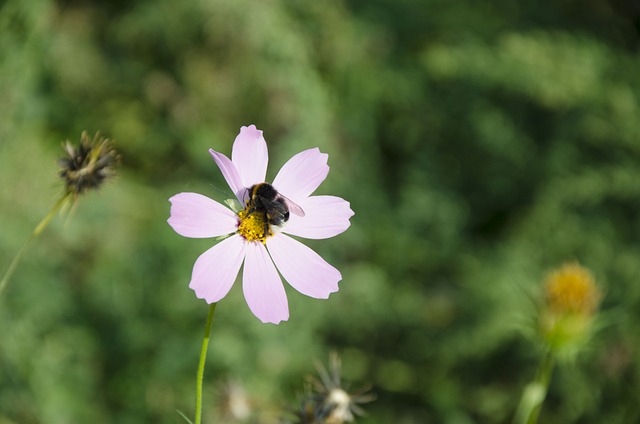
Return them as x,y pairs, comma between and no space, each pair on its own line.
480,144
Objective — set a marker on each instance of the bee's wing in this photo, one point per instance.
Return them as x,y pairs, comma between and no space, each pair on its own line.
294,208
277,214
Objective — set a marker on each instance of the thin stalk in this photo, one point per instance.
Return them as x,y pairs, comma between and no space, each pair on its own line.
203,359
543,378
534,393
36,232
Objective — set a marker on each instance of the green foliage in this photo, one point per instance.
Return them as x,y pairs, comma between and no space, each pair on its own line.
480,144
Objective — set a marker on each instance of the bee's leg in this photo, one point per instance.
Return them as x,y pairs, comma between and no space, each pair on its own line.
266,228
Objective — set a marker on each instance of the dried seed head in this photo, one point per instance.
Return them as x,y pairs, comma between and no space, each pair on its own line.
326,401
88,165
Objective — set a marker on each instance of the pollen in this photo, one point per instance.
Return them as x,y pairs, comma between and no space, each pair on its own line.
572,290
252,226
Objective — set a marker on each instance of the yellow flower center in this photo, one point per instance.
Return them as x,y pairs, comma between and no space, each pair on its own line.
571,289
252,226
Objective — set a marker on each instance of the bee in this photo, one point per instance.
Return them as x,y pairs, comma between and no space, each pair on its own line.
274,207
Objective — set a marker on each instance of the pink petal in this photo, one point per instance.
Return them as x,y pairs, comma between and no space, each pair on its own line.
262,286
250,156
230,174
197,216
325,216
216,269
302,174
303,268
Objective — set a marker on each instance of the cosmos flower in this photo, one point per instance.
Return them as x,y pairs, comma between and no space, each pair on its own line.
253,239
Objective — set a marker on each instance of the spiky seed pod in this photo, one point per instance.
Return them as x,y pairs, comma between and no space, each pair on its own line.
326,399
310,410
87,165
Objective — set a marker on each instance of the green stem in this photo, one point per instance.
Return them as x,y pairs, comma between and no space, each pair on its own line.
45,221
36,232
543,378
203,359
535,392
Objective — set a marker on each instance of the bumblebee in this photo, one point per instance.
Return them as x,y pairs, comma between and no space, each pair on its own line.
273,206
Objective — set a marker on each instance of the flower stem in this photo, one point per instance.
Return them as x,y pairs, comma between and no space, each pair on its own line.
36,232
535,392
203,359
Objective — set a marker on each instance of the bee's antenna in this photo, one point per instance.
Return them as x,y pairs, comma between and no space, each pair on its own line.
246,195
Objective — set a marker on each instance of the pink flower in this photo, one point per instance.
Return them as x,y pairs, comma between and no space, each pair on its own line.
197,216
